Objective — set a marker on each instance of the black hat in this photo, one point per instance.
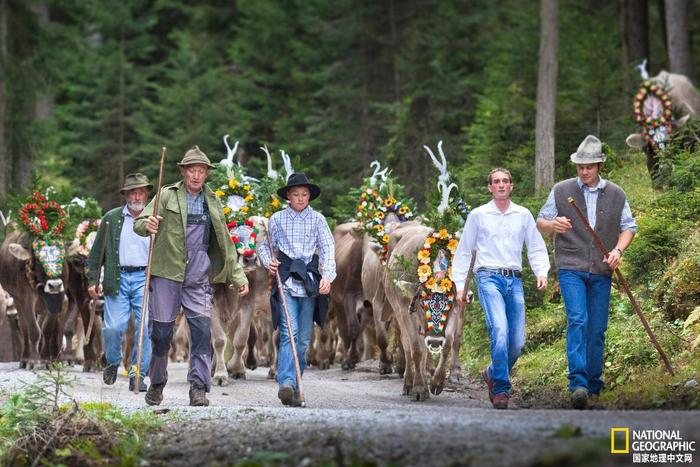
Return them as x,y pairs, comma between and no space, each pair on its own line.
299,179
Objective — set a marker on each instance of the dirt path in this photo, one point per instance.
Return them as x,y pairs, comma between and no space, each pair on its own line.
360,417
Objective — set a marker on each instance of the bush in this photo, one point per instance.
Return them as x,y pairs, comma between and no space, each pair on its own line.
679,289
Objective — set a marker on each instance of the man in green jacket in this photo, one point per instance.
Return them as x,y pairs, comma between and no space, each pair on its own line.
125,258
192,250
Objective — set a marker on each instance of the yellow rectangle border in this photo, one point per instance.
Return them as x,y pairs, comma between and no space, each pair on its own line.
626,431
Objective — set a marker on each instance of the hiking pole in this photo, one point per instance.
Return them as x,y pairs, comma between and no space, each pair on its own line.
290,331
93,303
144,306
624,284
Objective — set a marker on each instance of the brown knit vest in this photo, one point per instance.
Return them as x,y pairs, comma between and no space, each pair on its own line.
575,249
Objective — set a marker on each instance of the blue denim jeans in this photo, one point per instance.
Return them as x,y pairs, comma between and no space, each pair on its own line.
587,298
301,312
503,301
117,311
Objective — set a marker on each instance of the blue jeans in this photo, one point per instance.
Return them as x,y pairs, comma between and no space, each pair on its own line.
301,312
117,311
587,298
503,301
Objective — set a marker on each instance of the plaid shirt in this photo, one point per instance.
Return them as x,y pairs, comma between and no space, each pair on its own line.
299,235
195,204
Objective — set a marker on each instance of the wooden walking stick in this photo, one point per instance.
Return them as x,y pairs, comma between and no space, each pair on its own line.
624,285
290,331
93,303
144,306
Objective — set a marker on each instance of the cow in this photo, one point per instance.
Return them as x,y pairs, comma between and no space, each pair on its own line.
401,286
346,298
233,315
82,311
684,100
39,290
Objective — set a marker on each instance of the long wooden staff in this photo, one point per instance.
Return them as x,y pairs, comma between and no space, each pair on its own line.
290,330
144,306
93,303
624,284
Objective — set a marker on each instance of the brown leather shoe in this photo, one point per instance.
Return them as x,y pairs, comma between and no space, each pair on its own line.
489,382
500,401
154,395
579,398
198,395
286,394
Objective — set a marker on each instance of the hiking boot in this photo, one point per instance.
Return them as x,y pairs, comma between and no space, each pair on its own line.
109,375
142,384
198,395
154,395
579,398
489,382
500,401
286,394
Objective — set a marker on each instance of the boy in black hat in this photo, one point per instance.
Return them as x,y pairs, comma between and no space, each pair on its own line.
297,233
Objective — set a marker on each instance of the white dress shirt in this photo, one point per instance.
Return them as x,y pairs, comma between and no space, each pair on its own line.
133,248
498,240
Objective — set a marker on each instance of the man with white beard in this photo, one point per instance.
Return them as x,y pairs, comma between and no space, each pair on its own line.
125,259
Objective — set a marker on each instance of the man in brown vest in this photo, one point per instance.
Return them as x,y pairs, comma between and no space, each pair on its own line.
584,275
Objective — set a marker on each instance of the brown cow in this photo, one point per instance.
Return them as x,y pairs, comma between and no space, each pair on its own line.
401,285
87,353
346,298
41,301
233,315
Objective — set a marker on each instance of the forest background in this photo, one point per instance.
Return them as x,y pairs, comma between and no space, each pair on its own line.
91,90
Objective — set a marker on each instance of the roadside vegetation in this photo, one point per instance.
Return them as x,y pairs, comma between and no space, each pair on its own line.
43,425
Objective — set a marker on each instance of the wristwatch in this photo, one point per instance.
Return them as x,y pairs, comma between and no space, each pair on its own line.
619,251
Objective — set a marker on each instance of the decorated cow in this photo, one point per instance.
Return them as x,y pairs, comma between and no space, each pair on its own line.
379,212
422,295
662,104
32,270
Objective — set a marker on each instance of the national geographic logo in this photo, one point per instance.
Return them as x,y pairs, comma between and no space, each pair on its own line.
656,446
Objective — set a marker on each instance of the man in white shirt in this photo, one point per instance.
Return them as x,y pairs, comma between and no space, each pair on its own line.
496,232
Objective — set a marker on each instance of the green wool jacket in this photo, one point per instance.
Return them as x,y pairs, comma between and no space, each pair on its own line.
110,281
169,250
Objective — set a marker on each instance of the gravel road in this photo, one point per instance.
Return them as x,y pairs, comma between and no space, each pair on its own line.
360,417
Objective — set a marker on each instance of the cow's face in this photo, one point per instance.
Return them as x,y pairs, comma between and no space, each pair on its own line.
253,233
47,265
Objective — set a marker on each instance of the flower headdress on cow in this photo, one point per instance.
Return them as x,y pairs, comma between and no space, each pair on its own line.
437,292
84,216
653,111
381,199
236,191
44,219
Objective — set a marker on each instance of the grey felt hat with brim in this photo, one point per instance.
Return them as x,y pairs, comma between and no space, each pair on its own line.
135,180
590,151
195,156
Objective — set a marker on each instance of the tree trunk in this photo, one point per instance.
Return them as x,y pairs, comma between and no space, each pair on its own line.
394,52
121,115
546,95
635,32
662,21
678,34
4,166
